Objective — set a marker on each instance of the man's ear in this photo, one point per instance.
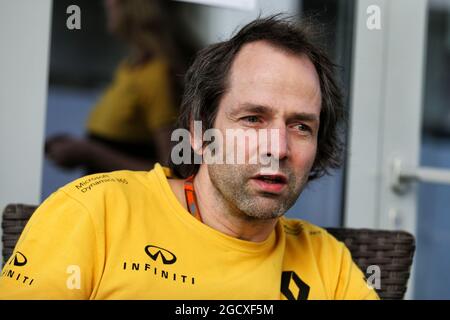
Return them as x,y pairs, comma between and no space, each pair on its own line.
196,136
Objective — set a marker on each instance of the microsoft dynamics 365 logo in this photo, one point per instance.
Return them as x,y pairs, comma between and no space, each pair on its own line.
156,253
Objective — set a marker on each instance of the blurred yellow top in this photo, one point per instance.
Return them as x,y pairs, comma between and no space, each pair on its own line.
139,101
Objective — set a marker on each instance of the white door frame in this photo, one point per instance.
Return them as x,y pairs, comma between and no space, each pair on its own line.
385,117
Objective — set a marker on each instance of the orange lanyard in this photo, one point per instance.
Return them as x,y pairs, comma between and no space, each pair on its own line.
191,199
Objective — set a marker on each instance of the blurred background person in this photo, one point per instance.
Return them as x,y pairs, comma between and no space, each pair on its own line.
130,126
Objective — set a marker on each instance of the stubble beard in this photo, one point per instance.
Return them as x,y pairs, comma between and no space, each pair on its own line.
234,190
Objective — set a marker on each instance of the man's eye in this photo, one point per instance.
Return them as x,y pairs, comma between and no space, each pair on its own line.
251,119
303,127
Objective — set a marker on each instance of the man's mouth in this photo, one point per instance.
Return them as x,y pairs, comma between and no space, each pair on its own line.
272,183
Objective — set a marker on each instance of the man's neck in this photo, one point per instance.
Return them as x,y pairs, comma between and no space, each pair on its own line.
217,214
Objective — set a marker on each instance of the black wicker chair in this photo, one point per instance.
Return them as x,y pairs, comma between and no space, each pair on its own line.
392,251
15,217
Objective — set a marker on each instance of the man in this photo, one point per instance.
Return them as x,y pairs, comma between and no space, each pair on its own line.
216,232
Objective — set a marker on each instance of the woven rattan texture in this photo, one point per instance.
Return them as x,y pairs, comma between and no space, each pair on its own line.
391,251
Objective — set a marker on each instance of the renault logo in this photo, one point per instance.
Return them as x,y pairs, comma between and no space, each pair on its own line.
19,259
166,256
292,287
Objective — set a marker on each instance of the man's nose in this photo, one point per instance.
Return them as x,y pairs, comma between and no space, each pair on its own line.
277,142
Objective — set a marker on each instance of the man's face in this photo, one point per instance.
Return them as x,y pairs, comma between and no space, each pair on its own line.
269,89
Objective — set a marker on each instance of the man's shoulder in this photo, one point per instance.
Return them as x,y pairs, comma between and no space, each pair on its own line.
108,184
301,230
297,226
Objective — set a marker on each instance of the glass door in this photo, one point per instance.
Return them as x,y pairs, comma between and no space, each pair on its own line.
433,218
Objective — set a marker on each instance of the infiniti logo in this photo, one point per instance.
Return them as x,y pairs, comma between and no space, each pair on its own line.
19,259
154,252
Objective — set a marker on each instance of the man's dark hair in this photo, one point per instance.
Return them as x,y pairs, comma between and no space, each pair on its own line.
207,80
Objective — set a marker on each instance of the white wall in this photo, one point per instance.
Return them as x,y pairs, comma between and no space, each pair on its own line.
24,48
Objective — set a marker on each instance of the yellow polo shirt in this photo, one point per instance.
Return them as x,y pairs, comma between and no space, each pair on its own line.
124,235
138,101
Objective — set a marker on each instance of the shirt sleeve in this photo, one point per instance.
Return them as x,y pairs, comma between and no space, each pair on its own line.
352,284
57,256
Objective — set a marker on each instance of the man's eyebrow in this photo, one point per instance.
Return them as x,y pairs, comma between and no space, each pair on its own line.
261,109
303,116
253,108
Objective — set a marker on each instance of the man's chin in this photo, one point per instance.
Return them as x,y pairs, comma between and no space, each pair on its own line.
265,209
263,216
